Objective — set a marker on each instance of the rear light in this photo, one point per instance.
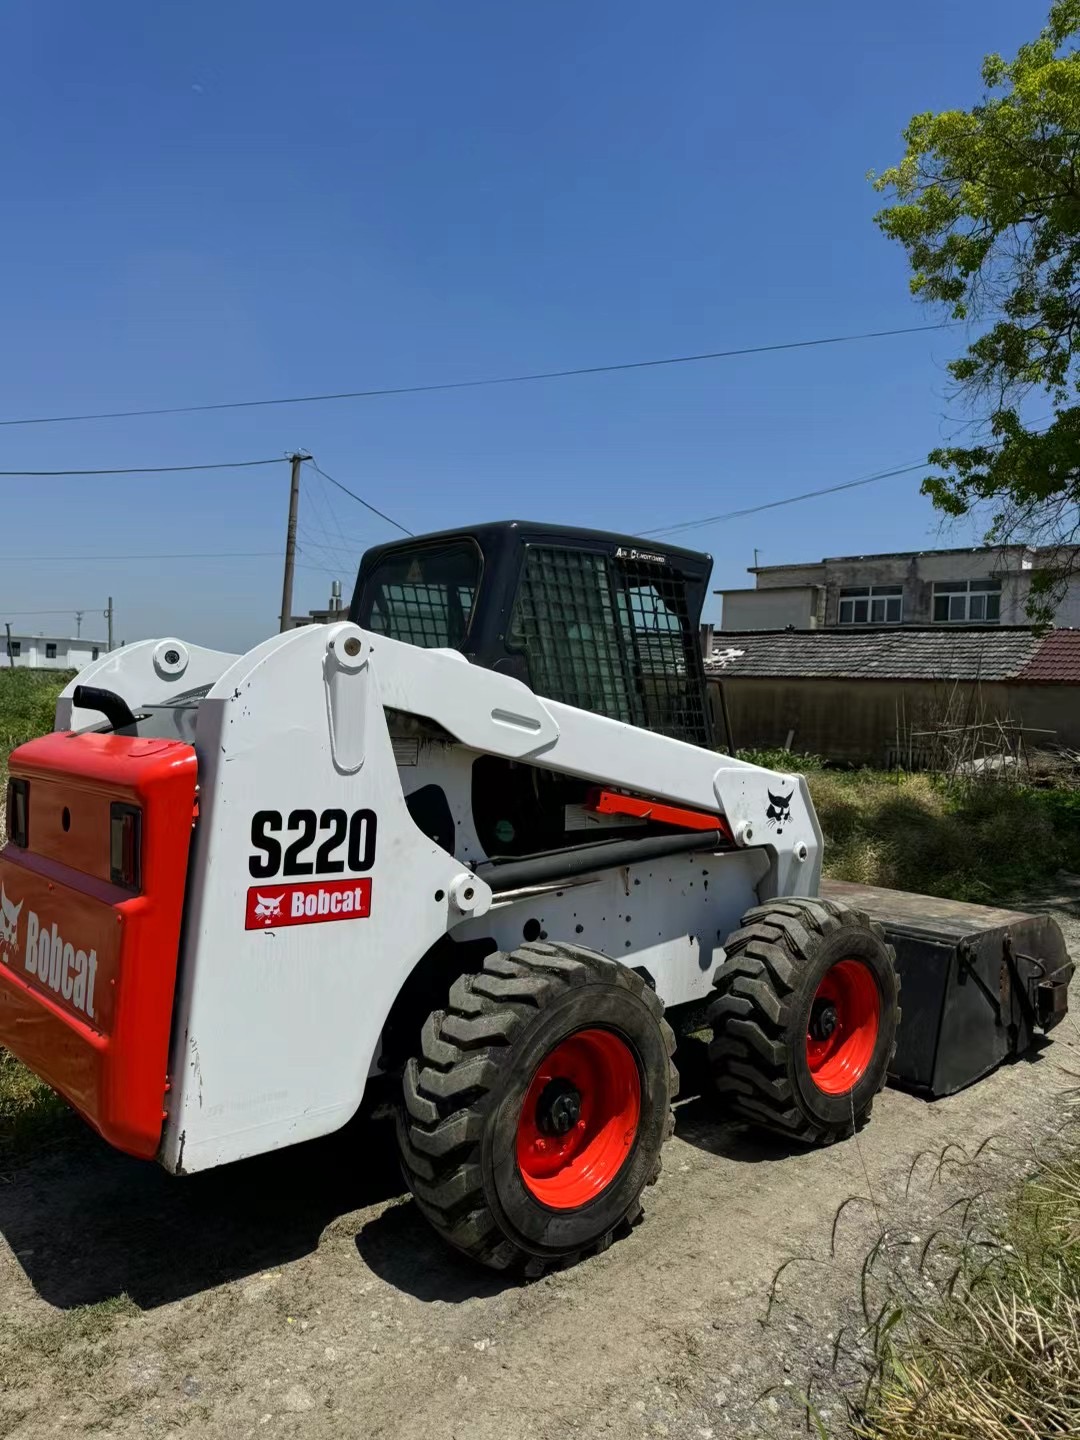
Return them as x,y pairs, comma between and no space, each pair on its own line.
125,846
18,812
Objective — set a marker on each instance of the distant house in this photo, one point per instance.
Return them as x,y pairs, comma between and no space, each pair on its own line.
48,652
859,693
980,586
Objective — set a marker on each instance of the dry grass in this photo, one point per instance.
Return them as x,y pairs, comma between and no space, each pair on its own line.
990,1349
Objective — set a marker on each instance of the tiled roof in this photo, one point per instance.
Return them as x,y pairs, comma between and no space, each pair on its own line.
1056,662
893,653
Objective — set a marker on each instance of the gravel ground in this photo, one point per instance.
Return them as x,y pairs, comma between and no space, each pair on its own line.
301,1294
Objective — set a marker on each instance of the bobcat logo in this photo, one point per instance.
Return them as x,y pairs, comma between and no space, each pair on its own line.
9,926
779,812
269,908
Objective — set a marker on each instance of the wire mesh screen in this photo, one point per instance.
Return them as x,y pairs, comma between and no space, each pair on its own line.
612,637
425,597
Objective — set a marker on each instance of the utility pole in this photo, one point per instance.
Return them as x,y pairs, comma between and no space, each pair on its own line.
78,624
109,618
290,542
11,657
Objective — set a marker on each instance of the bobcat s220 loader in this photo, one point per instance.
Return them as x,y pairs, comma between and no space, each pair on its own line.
471,843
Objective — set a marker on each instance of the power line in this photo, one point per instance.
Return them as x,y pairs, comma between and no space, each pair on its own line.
140,469
66,610
193,555
521,379
360,498
788,500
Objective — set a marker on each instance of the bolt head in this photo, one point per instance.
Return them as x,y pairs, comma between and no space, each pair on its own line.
352,646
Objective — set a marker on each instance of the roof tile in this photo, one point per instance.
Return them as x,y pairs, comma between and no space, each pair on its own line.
1057,660
902,653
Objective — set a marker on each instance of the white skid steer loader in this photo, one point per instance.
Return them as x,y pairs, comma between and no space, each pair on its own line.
469,843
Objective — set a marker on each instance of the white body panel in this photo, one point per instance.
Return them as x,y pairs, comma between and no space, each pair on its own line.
276,1029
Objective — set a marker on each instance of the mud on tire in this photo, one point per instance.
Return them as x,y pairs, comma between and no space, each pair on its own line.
461,1122
790,968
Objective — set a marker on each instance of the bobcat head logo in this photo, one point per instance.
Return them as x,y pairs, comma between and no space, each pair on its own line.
269,908
779,812
9,926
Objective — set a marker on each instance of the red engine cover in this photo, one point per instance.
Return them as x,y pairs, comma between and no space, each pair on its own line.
87,968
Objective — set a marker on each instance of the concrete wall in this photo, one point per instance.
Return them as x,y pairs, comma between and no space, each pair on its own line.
33,654
802,606
917,574
858,720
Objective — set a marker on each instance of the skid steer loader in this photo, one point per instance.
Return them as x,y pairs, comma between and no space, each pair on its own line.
470,843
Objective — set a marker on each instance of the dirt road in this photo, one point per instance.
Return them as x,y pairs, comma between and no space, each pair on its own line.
302,1295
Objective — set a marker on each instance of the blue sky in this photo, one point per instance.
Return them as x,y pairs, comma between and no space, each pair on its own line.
215,202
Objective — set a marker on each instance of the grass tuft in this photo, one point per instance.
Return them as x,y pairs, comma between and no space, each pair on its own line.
987,1345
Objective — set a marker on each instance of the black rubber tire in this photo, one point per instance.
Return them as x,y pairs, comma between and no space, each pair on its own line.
462,1098
761,1010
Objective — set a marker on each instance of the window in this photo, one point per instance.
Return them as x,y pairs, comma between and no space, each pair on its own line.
612,636
14,648
94,653
871,605
970,601
50,650
425,596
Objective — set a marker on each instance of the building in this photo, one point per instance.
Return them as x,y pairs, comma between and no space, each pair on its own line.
48,652
876,694
980,586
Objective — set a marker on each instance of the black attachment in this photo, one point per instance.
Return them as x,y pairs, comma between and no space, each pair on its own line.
112,706
976,982
587,859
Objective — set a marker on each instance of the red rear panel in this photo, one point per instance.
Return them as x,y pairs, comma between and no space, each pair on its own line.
88,965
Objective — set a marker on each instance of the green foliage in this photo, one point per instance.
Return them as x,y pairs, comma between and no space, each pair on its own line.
30,1113
983,841
986,202
788,762
27,701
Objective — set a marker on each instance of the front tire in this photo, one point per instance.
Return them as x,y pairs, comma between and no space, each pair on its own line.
534,1116
805,1018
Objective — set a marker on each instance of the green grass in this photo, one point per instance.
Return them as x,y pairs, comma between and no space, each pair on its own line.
984,841
30,1114
981,1340
27,701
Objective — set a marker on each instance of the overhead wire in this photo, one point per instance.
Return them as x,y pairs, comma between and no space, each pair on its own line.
139,469
485,382
366,504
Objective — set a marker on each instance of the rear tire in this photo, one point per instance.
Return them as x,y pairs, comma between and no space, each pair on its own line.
534,1116
805,1017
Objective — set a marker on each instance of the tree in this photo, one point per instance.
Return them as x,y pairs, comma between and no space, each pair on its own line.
986,202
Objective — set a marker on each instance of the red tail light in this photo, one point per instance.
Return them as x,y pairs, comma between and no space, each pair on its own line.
18,812
125,846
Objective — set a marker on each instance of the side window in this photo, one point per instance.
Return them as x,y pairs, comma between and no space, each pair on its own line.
50,650
425,596
15,648
564,621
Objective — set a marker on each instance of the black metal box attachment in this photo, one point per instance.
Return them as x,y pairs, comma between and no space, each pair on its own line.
976,982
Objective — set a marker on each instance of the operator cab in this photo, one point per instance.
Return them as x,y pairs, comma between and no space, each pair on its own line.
607,623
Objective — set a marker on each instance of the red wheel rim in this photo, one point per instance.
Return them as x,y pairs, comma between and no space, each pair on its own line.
579,1119
843,1027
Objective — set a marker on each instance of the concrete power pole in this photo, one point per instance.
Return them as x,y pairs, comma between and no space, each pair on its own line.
290,542
11,657
109,618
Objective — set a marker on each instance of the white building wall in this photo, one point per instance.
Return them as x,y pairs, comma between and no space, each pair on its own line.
49,652
771,609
